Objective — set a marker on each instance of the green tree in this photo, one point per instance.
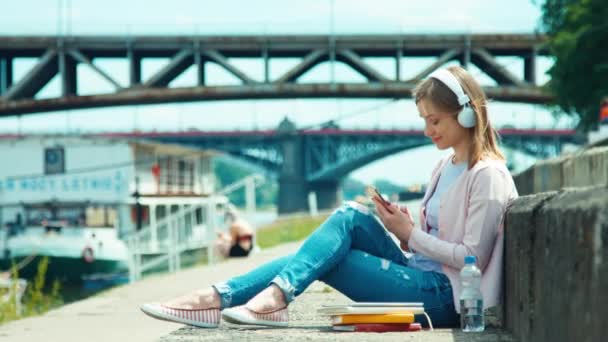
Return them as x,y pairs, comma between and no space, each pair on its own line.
578,39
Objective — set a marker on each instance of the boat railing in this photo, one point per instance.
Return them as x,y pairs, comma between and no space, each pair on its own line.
3,241
190,227
13,292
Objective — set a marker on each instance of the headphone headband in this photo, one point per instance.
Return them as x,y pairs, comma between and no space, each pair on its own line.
447,78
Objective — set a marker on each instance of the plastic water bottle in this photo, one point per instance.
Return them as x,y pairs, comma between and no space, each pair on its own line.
471,300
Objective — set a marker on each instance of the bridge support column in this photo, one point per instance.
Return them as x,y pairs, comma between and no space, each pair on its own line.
293,195
329,193
293,188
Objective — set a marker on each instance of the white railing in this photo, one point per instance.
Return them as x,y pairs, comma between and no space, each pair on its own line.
164,240
13,291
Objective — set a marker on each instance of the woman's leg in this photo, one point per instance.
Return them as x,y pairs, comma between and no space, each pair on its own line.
366,278
240,289
349,227
236,291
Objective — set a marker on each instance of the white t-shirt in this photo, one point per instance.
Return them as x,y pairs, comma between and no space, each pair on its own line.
448,175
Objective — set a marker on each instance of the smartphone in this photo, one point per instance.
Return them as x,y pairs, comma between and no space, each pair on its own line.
373,192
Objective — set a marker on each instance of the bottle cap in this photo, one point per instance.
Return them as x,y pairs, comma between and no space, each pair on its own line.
470,259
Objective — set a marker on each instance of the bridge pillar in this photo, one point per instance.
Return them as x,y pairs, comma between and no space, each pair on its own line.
329,193
292,195
293,188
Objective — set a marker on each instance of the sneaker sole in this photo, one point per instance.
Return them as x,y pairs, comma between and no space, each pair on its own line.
237,319
173,319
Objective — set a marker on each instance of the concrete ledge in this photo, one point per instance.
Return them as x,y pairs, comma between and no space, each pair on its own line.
549,174
588,168
556,273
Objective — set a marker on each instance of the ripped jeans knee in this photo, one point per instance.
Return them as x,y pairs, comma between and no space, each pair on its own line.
353,205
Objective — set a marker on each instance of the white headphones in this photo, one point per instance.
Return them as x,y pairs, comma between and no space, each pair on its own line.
466,117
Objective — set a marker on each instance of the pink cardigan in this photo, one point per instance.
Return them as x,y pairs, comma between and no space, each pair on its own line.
470,223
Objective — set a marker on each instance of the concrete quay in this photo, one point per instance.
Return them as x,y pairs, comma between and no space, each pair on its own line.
556,241
114,315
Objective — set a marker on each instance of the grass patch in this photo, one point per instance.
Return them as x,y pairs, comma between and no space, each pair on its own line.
36,300
287,230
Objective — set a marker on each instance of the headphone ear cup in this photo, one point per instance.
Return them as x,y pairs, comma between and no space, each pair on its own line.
466,117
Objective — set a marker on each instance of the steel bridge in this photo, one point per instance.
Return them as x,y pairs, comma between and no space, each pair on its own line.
61,56
317,160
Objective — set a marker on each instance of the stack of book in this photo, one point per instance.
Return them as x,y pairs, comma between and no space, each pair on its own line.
373,317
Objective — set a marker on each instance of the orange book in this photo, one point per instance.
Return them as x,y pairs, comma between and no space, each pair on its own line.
398,317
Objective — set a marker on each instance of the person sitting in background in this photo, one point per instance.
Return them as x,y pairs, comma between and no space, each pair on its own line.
238,242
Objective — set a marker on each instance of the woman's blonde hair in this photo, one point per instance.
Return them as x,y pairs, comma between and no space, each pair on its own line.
484,142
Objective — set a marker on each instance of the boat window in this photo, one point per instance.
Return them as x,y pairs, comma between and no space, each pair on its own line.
35,216
145,214
161,212
111,217
73,216
177,174
201,215
181,175
95,216
100,216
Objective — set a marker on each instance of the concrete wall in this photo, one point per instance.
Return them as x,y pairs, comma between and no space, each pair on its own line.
587,168
556,265
556,250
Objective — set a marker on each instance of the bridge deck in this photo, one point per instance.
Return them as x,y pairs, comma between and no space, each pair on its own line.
61,56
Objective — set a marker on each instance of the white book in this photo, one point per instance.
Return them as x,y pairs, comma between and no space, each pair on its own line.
371,308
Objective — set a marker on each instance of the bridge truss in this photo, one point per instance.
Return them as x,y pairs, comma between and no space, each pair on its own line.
330,154
61,56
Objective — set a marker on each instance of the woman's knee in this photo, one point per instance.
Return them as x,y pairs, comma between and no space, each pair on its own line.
354,259
353,205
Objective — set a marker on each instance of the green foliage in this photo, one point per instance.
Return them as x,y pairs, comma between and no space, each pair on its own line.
35,301
287,230
228,171
578,37
8,303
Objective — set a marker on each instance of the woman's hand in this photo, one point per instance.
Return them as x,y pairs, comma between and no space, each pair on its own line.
396,219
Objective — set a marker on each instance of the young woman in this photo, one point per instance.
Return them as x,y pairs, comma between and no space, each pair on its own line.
461,214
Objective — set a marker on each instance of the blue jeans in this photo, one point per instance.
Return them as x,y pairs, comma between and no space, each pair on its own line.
352,252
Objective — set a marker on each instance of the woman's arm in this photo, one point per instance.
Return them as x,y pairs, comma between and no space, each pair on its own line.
487,202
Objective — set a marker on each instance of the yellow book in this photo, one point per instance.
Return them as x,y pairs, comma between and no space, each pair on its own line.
397,317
